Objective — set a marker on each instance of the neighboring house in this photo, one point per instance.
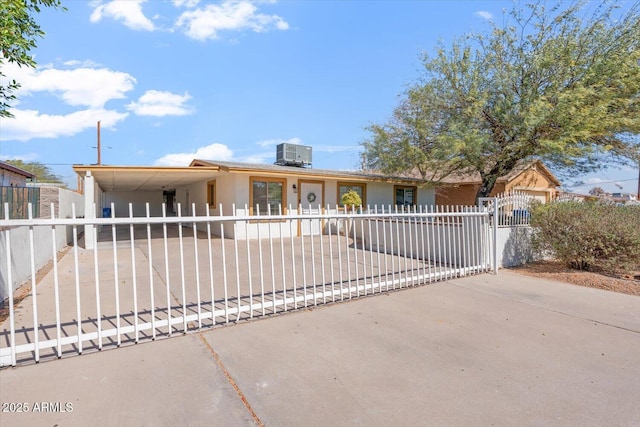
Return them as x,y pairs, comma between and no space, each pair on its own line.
250,188
624,197
14,192
12,176
565,196
531,178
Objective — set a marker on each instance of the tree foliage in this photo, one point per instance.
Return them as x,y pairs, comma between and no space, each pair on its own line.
18,34
558,84
597,191
42,172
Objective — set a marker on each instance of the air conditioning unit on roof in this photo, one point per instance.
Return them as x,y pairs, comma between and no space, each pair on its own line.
293,155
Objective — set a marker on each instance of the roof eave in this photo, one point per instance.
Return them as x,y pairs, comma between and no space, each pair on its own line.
15,169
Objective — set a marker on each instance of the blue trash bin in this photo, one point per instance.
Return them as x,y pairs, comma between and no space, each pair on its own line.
521,217
106,212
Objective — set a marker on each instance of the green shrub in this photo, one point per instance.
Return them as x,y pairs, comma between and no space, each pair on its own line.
589,236
351,198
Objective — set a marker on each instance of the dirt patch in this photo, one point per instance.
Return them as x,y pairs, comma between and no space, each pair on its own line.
558,271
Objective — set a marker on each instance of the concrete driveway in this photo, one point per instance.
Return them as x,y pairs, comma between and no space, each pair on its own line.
483,350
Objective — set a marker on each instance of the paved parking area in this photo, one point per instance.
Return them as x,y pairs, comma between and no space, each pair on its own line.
483,350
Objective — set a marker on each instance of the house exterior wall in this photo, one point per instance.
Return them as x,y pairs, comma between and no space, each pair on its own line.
535,183
380,193
12,179
138,199
187,195
234,189
237,189
63,201
531,179
426,196
457,195
230,189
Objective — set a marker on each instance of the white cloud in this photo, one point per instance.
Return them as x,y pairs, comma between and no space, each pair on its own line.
158,103
210,152
29,157
74,63
484,15
29,124
258,158
129,12
91,87
335,148
276,141
230,15
185,3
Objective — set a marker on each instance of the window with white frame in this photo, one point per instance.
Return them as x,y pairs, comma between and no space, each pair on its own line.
405,196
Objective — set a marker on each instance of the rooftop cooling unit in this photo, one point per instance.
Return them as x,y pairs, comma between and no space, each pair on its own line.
293,155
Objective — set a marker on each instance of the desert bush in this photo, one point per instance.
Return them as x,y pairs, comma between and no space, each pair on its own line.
589,236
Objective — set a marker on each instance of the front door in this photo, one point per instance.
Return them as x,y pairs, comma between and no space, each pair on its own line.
169,200
311,199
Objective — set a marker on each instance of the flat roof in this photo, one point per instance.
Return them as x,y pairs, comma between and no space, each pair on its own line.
153,178
144,178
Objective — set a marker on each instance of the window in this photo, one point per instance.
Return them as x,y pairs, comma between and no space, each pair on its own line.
267,193
344,187
405,196
211,194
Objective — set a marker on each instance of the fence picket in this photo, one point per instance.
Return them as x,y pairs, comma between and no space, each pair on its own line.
134,275
150,265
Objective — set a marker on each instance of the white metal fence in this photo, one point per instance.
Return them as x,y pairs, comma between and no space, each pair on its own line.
151,277
513,208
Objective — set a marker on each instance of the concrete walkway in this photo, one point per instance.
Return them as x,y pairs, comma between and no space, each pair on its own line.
484,350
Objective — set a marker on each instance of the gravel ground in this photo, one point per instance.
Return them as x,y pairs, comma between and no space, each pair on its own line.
629,284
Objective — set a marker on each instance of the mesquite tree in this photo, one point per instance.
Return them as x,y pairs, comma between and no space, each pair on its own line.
19,32
559,84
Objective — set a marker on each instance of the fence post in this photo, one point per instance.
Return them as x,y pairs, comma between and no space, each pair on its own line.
495,235
89,210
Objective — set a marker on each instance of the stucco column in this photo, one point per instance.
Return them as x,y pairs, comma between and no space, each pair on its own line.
89,211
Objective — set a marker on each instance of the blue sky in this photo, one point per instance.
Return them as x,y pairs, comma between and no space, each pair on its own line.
175,80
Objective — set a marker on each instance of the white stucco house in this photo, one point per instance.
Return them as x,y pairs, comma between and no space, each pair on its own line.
248,187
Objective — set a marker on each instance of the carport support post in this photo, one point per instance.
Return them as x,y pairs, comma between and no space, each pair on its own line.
89,212
495,235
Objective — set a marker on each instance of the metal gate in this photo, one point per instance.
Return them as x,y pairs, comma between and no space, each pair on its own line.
152,277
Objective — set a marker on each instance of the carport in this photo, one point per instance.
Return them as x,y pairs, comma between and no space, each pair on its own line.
104,185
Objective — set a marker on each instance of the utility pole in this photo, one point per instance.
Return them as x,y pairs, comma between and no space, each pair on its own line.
98,147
